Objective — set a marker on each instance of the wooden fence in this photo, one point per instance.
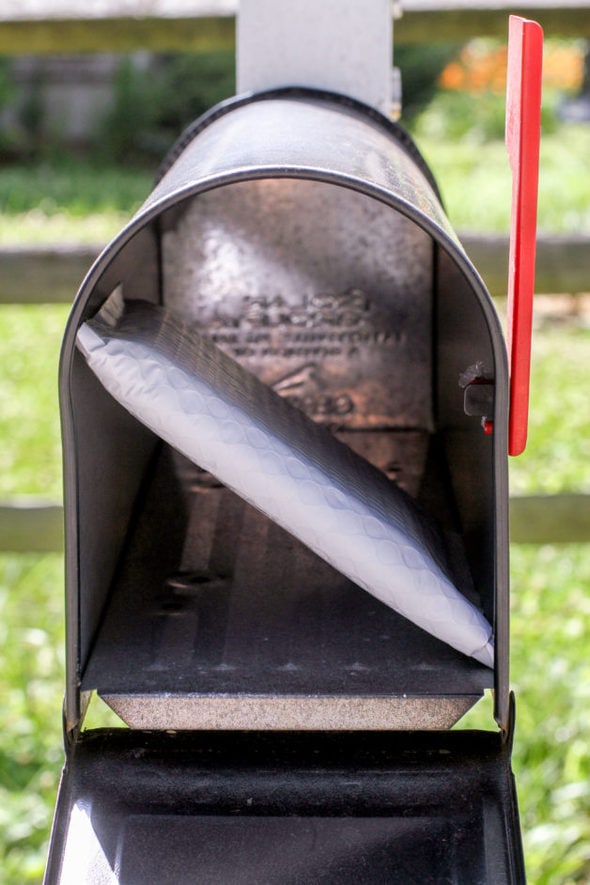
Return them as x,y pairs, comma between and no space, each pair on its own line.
52,274
49,26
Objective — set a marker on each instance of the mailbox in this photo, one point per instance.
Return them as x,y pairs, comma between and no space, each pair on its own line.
284,724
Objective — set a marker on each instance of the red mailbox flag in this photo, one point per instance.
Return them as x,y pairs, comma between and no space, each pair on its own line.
523,126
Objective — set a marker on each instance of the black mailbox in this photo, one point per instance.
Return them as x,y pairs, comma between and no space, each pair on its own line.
285,725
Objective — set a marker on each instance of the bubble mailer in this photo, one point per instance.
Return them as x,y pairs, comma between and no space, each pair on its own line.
203,403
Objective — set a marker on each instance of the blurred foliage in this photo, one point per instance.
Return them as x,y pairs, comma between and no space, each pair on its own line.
480,66
7,90
477,118
122,134
557,458
32,118
30,454
191,85
6,85
421,66
151,106
550,670
473,172
154,101
72,185
68,199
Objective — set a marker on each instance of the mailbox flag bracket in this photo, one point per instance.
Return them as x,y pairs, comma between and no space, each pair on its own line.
523,124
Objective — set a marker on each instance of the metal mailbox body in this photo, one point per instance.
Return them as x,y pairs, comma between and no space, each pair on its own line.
305,234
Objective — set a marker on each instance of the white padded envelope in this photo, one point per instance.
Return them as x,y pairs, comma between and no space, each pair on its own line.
203,403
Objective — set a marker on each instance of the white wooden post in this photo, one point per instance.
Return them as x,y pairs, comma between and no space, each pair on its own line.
339,45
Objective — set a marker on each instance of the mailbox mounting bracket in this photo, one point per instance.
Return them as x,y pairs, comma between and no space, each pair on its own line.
339,47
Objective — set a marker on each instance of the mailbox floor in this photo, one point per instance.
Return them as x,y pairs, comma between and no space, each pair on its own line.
219,618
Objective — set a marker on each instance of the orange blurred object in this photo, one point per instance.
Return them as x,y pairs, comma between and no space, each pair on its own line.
480,68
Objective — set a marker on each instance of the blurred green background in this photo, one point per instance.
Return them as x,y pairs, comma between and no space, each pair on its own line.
51,192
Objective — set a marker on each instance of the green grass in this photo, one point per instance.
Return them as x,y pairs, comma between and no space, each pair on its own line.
557,457
71,200
68,200
476,184
67,182
30,454
550,671
31,686
550,585
462,138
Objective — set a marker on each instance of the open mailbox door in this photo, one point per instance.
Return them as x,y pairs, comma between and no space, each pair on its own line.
284,724
140,807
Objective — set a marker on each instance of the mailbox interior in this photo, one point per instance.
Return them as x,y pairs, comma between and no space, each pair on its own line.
210,602
189,609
